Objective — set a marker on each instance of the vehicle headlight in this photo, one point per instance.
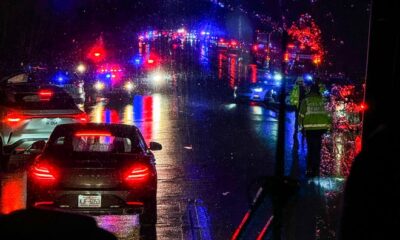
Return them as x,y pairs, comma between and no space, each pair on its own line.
99,86
278,77
158,78
129,86
258,89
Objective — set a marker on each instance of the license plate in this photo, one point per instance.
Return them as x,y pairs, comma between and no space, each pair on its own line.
52,122
89,201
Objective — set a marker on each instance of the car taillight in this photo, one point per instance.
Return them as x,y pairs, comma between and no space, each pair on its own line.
82,117
93,134
14,118
138,173
43,173
45,94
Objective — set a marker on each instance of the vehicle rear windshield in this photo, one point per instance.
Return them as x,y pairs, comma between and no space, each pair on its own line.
34,101
96,142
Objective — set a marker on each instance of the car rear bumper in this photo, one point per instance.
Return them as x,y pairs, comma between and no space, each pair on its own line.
250,97
256,98
123,210
112,202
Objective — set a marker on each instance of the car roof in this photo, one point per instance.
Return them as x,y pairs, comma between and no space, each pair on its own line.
31,87
73,127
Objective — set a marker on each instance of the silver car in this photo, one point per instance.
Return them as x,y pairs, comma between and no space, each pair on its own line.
29,112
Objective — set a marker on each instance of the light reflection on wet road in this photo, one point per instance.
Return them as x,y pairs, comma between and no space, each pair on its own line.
124,227
12,192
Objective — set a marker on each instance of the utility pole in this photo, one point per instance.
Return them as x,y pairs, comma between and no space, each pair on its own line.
278,198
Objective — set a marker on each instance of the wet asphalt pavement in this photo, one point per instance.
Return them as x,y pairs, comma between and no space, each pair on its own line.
214,150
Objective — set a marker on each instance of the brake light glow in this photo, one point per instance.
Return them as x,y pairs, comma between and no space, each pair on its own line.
135,203
93,134
13,118
137,173
150,61
44,173
82,117
45,94
291,45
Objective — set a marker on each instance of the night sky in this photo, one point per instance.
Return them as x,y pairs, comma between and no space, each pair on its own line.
39,30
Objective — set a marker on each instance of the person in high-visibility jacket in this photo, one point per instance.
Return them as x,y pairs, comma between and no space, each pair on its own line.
298,92
295,97
314,120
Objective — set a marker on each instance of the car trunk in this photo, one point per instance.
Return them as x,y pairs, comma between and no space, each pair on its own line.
47,120
94,170
90,178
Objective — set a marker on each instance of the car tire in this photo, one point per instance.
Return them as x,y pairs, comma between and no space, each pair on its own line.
149,215
30,197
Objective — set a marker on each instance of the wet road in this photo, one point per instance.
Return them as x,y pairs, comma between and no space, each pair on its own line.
213,149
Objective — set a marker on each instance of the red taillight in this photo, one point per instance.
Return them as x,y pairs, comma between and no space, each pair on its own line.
135,203
43,173
45,94
14,118
291,45
38,204
93,134
82,117
137,173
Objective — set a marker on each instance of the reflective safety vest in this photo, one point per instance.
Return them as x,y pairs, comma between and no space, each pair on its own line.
312,113
296,95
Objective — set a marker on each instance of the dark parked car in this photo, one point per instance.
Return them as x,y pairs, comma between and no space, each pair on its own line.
95,169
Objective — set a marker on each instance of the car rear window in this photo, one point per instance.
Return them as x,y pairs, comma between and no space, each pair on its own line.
97,141
101,144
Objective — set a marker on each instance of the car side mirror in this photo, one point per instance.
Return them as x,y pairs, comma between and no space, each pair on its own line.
37,147
155,146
